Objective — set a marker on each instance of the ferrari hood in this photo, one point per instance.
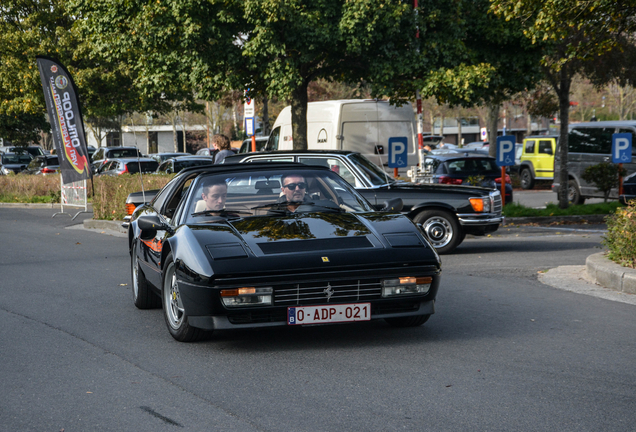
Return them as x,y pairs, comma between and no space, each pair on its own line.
305,232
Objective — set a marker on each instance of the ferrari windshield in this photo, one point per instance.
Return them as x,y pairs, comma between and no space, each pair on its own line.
271,193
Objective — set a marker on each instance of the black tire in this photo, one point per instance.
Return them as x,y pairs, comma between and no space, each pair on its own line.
173,311
411,321
574,193
441,228
527,182
143,296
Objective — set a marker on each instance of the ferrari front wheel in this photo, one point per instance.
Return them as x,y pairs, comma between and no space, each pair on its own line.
173,310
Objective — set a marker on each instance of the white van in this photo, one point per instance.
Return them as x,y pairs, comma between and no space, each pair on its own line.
363,126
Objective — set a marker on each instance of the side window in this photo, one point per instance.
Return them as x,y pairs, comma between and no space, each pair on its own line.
273,159
590,140
171,205
164,166
179,198
272,142
530,147
633,143
545,147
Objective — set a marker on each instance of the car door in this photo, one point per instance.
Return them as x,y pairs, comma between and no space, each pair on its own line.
544,159
164,205
588,146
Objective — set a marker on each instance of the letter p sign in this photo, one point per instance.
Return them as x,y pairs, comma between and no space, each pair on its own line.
621,147
506,150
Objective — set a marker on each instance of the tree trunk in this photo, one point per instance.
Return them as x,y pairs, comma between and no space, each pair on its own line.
459,132
173,117
265,131
493,125
299,117
563,92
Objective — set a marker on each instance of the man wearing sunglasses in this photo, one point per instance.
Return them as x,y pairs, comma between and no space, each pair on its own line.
294,189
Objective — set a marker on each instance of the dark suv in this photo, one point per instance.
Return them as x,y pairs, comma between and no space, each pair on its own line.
103,153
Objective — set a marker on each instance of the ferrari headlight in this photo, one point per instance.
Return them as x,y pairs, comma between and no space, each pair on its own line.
247,296
406,286
480,204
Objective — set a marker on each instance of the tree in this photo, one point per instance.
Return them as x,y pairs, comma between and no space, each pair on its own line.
290,44
22,129
604,176
579,34
47,27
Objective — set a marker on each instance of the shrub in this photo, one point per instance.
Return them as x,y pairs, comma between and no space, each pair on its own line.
604,176
30,188
621,235
109,201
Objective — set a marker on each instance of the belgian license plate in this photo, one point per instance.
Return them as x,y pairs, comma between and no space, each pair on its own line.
328,313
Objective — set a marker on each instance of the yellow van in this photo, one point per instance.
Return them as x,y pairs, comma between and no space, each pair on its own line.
537,159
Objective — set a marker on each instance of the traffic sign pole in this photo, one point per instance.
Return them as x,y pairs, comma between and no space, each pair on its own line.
503,186
620,179
253,143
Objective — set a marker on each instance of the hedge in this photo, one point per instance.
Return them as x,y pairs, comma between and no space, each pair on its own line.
109,201
621,236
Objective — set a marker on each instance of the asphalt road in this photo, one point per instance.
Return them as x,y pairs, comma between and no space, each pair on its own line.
502,353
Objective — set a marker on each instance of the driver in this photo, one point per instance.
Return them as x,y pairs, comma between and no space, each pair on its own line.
293,188
214,195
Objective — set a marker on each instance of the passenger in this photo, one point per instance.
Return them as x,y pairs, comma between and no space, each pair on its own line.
214,195
294,188
222,144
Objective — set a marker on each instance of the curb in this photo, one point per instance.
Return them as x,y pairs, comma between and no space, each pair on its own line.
611,275
105,224
547,220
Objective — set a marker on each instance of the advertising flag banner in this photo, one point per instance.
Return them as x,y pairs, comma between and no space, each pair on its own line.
62,105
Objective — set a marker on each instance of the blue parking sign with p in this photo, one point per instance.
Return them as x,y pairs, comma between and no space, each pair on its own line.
398,152
506,150
621,147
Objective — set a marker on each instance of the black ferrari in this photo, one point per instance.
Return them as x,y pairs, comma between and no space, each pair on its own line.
269,244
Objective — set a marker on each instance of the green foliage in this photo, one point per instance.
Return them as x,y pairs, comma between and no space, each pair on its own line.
22,129
621,236
604,176
50,28
518,210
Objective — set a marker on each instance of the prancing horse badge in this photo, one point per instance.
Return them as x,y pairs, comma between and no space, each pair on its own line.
325,259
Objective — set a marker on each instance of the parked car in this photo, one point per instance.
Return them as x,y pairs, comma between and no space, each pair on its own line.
250,259
43,165
32,150
629,189
120,166
162,157
537,159
206,151
246,146
447,213
91,151
14,162
462,168
590,144
104,153
176,164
